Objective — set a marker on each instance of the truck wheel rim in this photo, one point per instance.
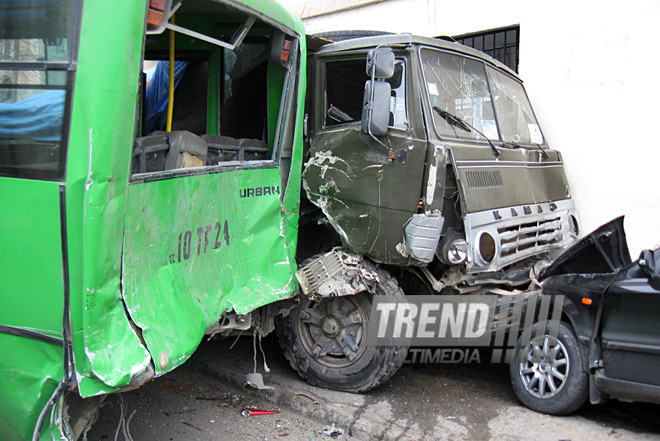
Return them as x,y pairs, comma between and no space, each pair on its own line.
544,366
333,330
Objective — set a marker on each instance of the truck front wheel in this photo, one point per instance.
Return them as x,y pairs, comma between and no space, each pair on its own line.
325,341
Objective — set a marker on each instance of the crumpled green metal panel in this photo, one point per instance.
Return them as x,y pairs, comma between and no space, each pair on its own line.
114,350
31,299
108,351
30,372
197,247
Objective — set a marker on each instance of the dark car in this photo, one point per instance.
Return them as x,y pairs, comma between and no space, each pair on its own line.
607,344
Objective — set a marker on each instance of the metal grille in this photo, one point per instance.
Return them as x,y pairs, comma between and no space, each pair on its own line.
526,237
484,179
502,44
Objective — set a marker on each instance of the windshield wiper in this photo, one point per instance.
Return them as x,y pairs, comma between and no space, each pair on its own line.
545,154
515,145
454,120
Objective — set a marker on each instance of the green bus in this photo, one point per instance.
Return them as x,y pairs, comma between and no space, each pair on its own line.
150,169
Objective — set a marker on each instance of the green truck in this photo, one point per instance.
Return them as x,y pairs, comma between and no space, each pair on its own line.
163,177
425,158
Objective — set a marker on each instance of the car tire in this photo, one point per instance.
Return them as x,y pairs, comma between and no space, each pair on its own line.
547,373
314,338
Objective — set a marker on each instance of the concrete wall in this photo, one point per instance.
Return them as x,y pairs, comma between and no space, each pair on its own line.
591,70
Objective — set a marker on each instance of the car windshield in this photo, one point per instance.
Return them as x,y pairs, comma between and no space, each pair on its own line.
492,102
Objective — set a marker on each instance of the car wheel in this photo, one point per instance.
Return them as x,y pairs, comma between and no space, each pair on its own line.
325,340
547,374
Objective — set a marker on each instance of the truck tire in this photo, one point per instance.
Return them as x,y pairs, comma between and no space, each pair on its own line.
326,341
555,383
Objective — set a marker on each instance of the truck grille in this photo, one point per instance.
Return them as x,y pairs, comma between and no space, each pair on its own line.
528,237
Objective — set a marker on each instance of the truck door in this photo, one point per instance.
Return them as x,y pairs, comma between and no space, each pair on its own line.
369,190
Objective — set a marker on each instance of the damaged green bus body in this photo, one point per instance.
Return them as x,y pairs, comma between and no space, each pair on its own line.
127,232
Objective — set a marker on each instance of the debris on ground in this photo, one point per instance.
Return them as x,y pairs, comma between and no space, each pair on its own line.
332,431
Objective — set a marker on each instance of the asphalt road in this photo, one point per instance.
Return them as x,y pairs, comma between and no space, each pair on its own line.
186,405
202,400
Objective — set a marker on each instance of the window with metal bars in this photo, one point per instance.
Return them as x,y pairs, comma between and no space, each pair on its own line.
502,44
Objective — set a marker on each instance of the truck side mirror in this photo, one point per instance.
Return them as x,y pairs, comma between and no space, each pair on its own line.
380,63
376,107
376,101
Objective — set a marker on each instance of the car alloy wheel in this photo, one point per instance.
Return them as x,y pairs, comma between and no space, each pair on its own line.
545,366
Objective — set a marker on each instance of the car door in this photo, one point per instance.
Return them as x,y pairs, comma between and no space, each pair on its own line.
630,336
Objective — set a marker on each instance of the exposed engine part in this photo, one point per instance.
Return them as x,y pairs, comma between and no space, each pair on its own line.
230,322
436,284
510,279
336,273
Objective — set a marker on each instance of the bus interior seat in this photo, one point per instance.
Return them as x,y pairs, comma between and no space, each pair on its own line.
225,148
181,149
186,150
149,153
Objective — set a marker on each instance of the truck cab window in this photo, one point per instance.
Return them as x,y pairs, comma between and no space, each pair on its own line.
344,85
458,86
344,88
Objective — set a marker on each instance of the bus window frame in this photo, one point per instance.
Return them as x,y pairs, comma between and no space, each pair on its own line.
289,87
69,66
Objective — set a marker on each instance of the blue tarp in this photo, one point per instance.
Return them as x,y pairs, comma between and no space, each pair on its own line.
157,95
40,116
37,117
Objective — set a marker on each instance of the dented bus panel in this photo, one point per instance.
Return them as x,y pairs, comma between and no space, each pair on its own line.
128,231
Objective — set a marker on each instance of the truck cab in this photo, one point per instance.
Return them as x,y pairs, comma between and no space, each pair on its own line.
461,177
426,172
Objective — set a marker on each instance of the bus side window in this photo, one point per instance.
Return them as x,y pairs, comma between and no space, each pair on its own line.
190,97
221,99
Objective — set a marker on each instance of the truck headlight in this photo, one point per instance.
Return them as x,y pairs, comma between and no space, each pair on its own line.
452,249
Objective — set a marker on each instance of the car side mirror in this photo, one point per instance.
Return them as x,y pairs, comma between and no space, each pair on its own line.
647,263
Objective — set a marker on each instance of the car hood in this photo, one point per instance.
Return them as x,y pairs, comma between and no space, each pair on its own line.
603,251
